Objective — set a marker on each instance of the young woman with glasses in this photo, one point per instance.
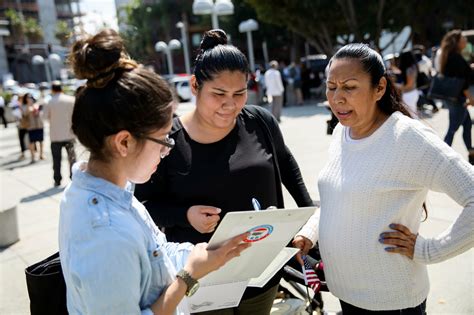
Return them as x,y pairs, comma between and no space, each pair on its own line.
225,155
114,258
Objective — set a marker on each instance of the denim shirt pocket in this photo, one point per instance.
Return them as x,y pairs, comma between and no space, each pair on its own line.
161,274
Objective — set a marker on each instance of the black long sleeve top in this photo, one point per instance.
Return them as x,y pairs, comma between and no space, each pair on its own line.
457,67
226,174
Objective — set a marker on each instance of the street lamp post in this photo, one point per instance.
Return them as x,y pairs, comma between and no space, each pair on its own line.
167,48
220,7
247,27
39,60
184,40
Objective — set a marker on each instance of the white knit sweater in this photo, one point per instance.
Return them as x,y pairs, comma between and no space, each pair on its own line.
368,184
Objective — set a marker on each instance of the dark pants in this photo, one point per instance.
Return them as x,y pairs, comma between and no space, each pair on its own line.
258,305
349,309
2,114
459,115
56,149
21,136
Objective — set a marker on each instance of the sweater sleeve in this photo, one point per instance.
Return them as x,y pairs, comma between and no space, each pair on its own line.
164,211
311,229
448,172
289,169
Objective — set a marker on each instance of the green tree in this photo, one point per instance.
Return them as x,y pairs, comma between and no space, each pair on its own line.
147,23
24,27
62,32
326,24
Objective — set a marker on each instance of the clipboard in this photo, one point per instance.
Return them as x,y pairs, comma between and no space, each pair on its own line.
271,231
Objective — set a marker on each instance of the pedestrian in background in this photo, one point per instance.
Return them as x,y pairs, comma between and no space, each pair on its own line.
373,190
19,112
275,89
35,126
226,153
2,110
452,64
113,257
294,73
409,73
59,113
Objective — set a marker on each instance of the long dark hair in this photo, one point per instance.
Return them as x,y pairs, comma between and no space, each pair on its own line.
119,94
407,60
215,56
372,63
449,45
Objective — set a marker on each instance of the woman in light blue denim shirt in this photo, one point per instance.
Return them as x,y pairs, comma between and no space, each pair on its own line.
114,258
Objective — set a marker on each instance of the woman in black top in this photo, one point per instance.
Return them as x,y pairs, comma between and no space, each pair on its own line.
225,155
452,64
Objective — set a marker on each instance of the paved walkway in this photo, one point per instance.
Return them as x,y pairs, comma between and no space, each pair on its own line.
304,129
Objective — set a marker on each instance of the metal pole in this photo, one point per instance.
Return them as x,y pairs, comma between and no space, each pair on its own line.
184,38
170,61
46,68
250,48
215,20
265,54
306,48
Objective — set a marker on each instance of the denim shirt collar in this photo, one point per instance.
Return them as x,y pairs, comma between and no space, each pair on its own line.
122,196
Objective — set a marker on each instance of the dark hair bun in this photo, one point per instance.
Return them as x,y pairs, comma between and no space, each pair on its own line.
97,57
213,38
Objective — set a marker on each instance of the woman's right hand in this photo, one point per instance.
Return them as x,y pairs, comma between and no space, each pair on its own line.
203,218
302,243
202,261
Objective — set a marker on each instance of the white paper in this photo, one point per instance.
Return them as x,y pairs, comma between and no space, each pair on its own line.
272,269
272,231
284,224
216,296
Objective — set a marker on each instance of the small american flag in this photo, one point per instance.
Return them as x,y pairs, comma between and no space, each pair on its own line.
310,277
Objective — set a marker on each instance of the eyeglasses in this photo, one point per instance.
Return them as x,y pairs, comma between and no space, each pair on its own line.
167,144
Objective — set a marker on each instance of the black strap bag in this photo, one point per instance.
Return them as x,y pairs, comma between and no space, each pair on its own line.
446,88
46,287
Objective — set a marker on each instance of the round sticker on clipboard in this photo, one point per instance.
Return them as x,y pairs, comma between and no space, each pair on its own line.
259,233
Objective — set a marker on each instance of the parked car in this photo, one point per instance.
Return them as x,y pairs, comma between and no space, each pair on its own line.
316,78
182,87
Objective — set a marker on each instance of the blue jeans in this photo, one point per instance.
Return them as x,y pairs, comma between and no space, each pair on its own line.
349,309
459,115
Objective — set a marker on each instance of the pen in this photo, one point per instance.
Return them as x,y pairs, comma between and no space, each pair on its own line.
256,204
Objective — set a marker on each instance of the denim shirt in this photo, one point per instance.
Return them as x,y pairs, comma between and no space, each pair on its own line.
114,258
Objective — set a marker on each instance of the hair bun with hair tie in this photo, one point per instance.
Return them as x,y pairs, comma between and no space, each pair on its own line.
98,58
125,63
213,38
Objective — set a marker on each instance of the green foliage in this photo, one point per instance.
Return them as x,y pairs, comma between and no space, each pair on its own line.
28,27
14,17
32,29
7,96
320,22
62,32
149,23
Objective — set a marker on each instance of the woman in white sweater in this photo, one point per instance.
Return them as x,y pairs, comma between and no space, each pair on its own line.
382,164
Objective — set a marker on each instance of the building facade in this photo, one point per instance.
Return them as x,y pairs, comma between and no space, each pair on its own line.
20,46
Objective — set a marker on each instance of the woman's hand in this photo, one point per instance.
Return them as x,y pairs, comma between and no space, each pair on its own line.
203,218
302,243
202,261
402,239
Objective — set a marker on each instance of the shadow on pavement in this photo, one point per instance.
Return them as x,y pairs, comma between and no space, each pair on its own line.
47,193
15,163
